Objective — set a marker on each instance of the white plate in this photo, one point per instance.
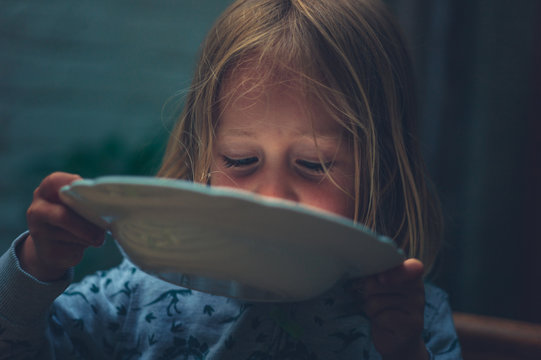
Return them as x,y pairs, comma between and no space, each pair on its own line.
229,242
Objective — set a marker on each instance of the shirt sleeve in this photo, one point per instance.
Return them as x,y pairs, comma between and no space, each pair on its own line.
439,334
25,303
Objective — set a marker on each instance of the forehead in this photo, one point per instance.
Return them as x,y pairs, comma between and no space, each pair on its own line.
253,81
249,94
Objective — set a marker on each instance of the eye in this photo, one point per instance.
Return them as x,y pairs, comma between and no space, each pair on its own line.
244,162
314,167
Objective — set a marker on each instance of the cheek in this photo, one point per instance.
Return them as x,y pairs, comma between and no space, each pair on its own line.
340,205
337,199
331,199
219,178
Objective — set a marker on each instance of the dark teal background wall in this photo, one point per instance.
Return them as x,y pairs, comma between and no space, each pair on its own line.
91,87
478,65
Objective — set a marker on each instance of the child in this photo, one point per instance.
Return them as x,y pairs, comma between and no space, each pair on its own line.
307,100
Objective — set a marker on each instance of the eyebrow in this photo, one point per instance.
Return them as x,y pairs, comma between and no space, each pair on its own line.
238,132
327,136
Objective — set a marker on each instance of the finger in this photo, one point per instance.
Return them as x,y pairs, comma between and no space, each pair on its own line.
373,287
393,329
51,185
398,322
392,319
59,254
49,233
410,304
43,217
409,270
401,317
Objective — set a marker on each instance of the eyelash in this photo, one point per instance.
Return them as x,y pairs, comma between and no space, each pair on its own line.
239,162
315,167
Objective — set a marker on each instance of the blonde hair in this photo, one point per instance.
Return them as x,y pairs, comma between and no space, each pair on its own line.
350,55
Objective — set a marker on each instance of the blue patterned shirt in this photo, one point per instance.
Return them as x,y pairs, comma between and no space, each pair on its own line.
125,313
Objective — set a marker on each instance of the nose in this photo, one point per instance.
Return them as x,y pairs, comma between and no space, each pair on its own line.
276,186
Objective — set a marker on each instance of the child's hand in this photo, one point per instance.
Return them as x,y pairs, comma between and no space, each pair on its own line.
394,302
58,236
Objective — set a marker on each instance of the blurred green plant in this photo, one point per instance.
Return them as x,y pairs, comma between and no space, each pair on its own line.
114,156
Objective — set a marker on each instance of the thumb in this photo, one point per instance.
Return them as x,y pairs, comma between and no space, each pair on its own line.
410,270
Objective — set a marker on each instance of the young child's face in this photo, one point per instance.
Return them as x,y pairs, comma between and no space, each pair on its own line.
265,144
